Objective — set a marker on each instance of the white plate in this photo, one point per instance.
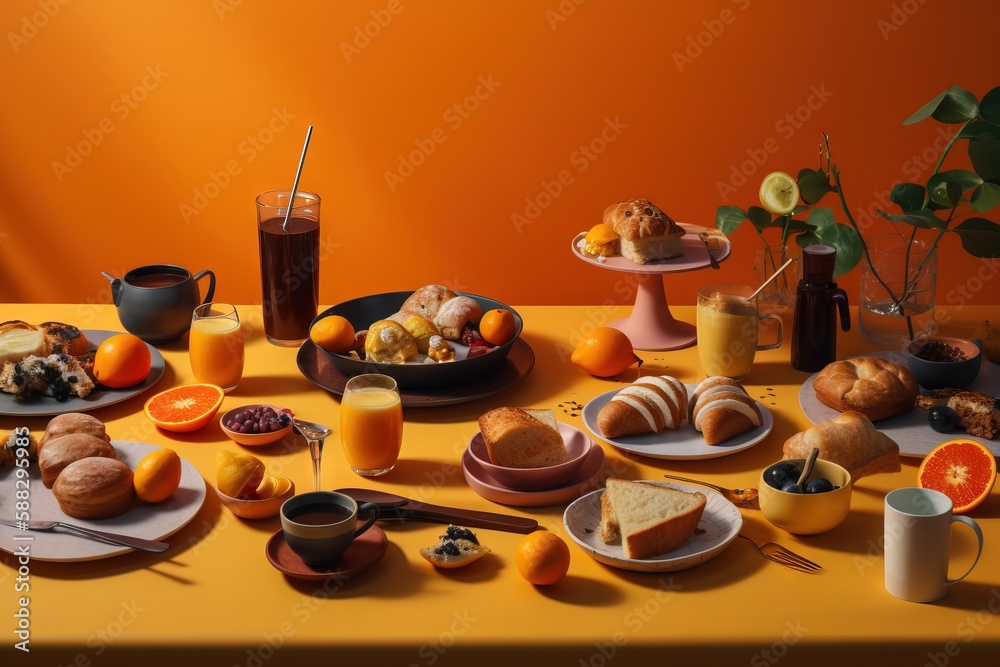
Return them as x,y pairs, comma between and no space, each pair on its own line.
720,524
99,397
911,431
678,444
145,520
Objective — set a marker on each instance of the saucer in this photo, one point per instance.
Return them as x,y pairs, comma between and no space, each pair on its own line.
365,550
587,478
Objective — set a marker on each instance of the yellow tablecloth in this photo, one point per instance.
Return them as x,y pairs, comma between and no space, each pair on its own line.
213,598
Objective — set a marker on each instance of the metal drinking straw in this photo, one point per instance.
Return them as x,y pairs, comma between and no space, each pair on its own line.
295,183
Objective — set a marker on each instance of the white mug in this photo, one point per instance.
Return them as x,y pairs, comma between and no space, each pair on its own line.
917,540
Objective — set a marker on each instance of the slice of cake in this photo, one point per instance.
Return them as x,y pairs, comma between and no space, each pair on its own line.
523,438
977,413
652,520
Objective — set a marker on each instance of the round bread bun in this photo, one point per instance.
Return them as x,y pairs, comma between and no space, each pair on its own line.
873,386
94,488
61,451
73,422
638,218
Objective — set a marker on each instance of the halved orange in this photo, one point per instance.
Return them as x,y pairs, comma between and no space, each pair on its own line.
963,470
185,408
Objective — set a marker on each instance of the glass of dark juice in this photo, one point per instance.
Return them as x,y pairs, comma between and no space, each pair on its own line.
289,264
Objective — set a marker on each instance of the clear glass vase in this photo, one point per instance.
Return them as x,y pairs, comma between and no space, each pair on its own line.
900,307
780,294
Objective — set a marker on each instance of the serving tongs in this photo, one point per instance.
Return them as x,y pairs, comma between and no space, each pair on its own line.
397,508
99,535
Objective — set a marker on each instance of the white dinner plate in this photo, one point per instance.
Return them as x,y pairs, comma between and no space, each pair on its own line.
683,443
99,397
720,524
911,431
146,520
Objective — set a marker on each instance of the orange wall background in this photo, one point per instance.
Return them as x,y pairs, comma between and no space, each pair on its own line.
140,132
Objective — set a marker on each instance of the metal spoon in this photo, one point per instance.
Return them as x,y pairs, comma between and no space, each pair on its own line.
740,496
315,434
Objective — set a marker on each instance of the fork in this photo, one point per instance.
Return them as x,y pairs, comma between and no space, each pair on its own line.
783,556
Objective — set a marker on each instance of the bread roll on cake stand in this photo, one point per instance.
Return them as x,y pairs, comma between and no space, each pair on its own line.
651,325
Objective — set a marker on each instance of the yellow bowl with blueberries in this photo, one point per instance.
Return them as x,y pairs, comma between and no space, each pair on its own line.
820,505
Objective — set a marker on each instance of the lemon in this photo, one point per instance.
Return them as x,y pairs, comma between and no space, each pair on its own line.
779,193
157,476
238,475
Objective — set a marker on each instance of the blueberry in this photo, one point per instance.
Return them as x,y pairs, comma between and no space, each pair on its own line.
780,473
791,487
819,485
942,418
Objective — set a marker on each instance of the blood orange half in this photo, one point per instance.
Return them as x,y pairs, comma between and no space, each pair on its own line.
963,470
185,408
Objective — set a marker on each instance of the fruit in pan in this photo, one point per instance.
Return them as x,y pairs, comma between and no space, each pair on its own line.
333,333
498,326
779,193
542,558
238,475
605,353
963,470
456,548
122,360
185,408
157,475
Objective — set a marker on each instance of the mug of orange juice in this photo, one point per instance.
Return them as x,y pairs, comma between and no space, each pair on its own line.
371,424
728,337
216,345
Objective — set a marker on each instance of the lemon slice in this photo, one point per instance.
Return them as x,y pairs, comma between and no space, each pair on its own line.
779,193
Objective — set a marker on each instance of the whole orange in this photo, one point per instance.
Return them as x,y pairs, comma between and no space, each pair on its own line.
605,353
122,360
542,558
498,326
333,333
157,476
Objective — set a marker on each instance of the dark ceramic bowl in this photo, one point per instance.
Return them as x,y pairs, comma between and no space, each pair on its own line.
938,374
363,312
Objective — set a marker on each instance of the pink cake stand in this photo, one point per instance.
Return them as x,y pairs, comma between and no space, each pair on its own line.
651,326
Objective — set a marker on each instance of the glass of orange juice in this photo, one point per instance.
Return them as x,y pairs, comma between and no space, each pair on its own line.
371,424
216,345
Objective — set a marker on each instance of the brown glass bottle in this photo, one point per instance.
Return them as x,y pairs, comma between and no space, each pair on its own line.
817,298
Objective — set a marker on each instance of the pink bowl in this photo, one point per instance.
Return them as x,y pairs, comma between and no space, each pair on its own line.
578,444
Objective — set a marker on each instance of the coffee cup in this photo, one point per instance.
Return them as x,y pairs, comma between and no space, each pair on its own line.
917,541
320,526
728,330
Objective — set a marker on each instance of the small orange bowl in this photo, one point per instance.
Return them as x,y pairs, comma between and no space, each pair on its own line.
260,509
253,439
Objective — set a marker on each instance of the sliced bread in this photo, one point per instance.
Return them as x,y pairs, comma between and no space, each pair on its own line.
523,438
652,520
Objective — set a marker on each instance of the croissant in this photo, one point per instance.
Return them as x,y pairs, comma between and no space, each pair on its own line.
723,409
873,386
849,440
648,405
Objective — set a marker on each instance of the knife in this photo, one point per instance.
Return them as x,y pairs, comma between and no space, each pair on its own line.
100,535
393,507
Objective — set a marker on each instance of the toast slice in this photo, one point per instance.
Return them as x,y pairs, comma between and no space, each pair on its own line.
652,520
523,438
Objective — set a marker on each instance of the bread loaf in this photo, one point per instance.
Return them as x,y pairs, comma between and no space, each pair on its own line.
875,387
723,409
646,233
851,441
60,452
94,488
522,438
652,520
449,312
651,404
